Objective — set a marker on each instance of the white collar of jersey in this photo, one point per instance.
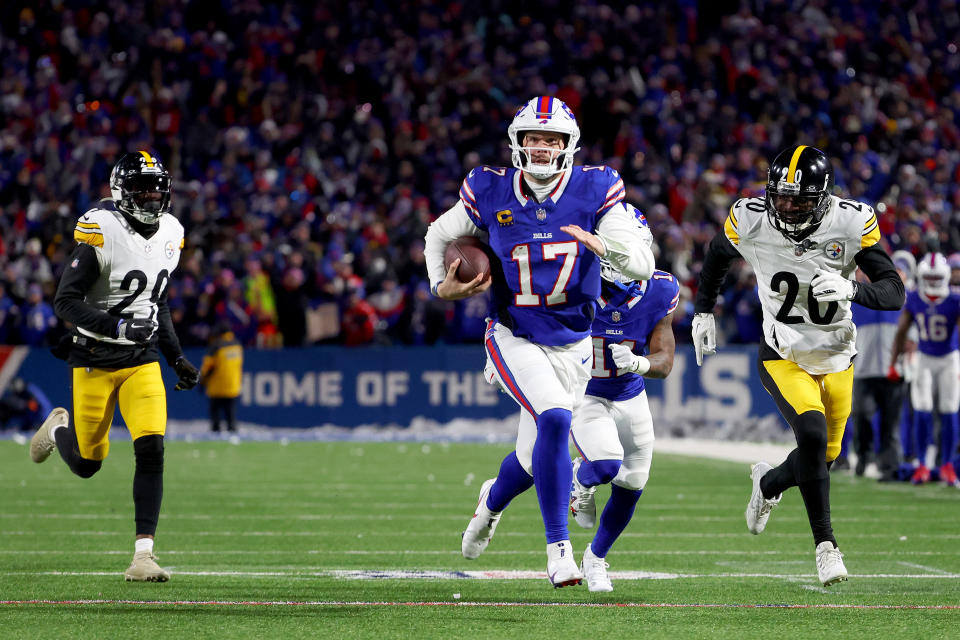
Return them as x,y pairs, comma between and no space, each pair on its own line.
554,195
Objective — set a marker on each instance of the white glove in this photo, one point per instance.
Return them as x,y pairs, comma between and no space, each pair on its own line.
704,331
831,287
627,361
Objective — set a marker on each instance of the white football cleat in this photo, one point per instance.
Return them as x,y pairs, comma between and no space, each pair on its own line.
830,567
595,571
42,443
481,527
583,507
144,568
562,569
758,509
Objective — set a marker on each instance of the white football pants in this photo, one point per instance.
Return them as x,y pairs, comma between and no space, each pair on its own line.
940,376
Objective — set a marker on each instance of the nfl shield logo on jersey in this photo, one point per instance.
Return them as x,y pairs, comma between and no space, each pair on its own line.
834,249
541,215
615,316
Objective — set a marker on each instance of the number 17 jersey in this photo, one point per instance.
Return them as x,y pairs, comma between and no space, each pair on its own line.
551,281
819,337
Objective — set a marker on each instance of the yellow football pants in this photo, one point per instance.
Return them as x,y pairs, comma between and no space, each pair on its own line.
142,398
831,394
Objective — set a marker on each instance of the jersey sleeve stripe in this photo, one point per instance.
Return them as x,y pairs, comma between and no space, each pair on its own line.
616,187
181,243
674,303
870,238
871,221
733,217
88,226
612,200
467,193
93,239
730,230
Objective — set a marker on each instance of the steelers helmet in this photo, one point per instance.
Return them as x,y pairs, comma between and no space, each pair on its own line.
799,185
140,186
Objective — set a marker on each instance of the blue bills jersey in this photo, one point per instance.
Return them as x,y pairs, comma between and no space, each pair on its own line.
550,281
627,315
936,322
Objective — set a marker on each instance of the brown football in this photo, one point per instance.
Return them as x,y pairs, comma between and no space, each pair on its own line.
473,256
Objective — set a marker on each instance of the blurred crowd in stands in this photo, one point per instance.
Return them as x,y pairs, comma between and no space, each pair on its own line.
312,143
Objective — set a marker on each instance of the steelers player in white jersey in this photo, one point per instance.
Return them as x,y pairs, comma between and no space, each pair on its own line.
804,244
114,292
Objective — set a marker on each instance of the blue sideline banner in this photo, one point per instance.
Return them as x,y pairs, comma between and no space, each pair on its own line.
392,385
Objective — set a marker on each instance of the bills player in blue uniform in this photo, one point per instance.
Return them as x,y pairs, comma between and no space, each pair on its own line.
548,222
935,311
612,427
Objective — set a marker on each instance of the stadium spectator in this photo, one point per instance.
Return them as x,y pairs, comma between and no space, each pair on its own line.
221,375
23,405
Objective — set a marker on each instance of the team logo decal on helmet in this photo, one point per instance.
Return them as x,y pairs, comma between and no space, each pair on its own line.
799,185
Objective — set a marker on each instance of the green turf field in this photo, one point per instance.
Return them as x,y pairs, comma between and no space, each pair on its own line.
362,540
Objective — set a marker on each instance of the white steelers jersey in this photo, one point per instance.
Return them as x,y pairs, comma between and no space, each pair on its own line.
820,337
134,271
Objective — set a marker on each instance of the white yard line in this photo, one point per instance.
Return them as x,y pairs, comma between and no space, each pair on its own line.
492,574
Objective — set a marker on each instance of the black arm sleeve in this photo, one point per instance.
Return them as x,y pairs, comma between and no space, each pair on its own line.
81,273
716,263
885,289
168,342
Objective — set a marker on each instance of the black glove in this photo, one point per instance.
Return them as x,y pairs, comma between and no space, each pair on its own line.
138,330
188,374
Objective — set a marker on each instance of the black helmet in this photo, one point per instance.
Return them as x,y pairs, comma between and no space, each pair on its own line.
799,184
134,181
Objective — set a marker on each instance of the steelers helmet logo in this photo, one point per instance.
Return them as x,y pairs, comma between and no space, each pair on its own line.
168,249
833,249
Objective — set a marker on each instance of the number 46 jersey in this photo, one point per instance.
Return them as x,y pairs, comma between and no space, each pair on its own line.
820,337
134,271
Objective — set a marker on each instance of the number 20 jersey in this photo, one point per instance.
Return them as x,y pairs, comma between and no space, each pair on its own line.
134,271
551,279
819,337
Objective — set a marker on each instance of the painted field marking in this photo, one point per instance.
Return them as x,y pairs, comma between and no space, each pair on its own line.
401,574
600,605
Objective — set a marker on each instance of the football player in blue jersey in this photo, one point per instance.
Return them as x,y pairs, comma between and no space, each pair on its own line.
612,427
935,311
548,222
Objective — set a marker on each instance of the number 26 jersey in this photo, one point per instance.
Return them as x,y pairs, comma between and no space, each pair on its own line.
134,271
820,337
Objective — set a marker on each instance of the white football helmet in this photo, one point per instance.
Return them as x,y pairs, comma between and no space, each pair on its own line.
543,113
933,276
607,271
905,262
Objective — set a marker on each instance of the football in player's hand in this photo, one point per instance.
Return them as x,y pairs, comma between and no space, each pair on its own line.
473,255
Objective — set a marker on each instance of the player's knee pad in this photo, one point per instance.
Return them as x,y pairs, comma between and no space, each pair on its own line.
632,480
86,468
148,451
597,472
554,422
810,429
635,470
